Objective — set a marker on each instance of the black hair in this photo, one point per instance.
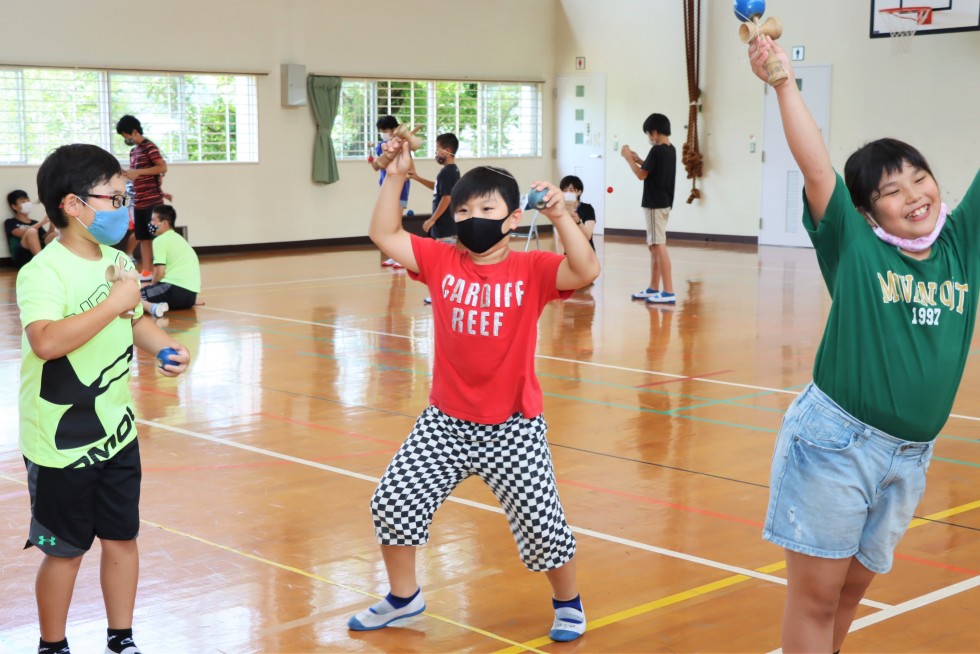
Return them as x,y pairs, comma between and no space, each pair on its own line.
448,141
128,124
387,122
13,196
484,181
872,161
76,168
657,123
571,180
165,212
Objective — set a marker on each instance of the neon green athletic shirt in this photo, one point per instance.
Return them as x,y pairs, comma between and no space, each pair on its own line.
899,330
183,268
74,410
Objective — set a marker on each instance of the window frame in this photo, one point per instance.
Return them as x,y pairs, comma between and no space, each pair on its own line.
529,108
236,92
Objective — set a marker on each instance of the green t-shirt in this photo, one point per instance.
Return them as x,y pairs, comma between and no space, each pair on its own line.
899,330
183,268
74,410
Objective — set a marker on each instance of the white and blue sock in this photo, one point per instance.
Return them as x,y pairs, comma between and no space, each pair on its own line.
401,602
569,619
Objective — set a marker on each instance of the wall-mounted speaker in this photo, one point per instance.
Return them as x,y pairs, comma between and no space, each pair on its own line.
293,78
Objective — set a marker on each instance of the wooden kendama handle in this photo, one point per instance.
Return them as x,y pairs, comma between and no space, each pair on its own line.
115,273
772,27
402,132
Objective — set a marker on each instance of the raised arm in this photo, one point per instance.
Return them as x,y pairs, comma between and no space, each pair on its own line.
581,266
802,133
386,228
634,162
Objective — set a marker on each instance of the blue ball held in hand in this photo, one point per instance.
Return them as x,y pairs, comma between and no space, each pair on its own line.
535,199
746,10
164,357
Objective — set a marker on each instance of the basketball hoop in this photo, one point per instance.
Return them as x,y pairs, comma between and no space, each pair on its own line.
903,22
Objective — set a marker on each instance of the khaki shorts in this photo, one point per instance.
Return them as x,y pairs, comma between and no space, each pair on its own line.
656,225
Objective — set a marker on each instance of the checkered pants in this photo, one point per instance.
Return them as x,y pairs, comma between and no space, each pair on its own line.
512,458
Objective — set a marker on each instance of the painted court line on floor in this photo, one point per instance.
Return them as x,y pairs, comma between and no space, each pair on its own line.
310,575
690,558
545,357
910,605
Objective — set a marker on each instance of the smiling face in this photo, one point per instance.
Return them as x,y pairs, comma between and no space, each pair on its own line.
906,202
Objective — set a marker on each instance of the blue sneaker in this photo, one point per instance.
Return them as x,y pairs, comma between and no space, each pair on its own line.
383,614
569,624
642,295
662,298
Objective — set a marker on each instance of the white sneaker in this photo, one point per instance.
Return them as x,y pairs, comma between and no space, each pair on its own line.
383,614
388,262
569,624
427,300
662,298
129,647
158,309
642,295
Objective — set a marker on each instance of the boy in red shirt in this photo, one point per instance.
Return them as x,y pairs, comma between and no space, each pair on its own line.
486,300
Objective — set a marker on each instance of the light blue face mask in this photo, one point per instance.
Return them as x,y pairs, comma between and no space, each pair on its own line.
108,227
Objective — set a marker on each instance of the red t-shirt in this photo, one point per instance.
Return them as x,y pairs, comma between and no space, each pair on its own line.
486,329
146,188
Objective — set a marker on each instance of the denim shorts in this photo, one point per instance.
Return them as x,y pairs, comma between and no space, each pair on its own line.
839,488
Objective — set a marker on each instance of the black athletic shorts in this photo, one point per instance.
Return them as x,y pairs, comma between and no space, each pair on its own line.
177,297
70,507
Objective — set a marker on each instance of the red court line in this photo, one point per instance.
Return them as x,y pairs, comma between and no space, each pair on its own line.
722,516
332,430
936,564
651,500
155,390
680,379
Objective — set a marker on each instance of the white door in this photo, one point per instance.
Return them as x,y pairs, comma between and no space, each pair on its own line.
580,105
782,182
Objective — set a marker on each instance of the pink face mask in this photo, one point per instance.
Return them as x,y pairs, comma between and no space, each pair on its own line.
913,245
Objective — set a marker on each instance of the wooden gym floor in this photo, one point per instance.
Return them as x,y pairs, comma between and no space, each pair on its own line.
309,369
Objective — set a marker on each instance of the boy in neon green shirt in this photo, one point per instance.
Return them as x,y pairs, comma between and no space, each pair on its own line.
77,424
176,270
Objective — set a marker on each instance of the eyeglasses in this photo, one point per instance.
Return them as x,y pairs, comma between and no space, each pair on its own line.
117,200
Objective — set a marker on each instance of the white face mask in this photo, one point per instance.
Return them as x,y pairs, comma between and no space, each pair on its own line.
385,137
26,207
913,245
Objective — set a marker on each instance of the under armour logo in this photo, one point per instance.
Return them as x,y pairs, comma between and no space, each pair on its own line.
49,539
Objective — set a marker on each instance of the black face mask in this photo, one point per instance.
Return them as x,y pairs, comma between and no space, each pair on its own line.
441,160
480,234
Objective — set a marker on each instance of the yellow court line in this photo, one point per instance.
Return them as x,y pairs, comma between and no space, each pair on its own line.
310,575
283,566
939,515
708,588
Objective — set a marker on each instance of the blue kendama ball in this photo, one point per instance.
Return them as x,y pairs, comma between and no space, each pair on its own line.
164,357
746,9
535,198
410,213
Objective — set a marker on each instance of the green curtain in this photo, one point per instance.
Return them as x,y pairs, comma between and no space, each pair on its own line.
324,94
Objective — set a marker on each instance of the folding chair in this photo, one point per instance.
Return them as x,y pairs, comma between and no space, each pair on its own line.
532,232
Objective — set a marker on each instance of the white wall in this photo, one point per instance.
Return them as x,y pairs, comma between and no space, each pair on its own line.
274,200
929,97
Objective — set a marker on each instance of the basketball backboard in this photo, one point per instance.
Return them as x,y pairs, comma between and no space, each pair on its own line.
947,16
